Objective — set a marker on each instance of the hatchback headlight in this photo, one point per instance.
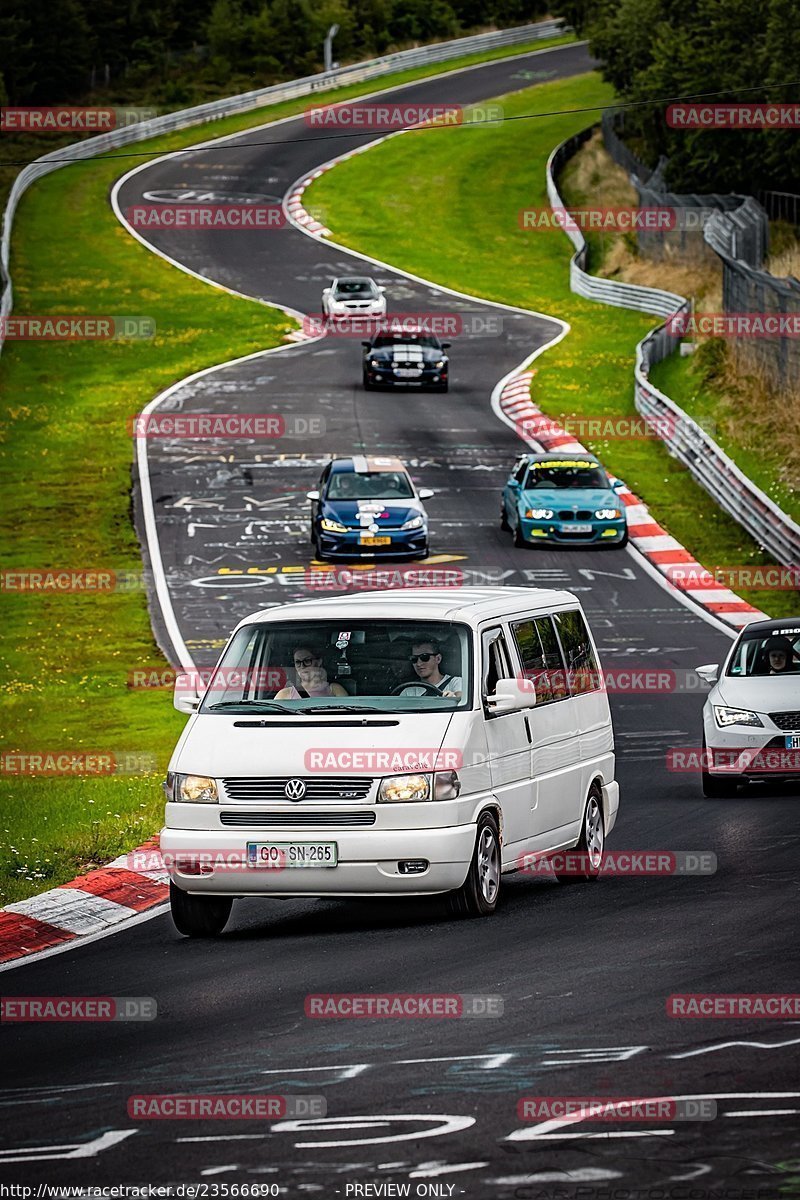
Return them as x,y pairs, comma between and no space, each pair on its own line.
332,526
735,716
404,789
539,514
195,789
413,523
608,514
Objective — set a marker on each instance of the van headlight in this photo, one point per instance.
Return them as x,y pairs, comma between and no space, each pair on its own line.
195,789
404,789
446,785
735,716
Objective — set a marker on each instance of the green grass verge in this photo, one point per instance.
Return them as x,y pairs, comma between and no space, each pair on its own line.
65,490
692,383
447,208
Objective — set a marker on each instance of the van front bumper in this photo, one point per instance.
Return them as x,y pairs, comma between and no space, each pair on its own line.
368,861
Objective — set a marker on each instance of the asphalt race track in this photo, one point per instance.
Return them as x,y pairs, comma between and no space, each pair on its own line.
584,972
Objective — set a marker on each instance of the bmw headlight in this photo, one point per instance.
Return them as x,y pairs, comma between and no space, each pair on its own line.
195,789
735,716
413,523
332,526
404,789
539,514
608,514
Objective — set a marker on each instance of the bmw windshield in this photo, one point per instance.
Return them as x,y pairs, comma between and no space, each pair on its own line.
566,475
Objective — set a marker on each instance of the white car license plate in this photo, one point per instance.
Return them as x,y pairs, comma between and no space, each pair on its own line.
793,741
408,372
291,855
573,527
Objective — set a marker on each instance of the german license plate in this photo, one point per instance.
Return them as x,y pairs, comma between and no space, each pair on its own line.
793,741
572,527
291,855
407,372
375,541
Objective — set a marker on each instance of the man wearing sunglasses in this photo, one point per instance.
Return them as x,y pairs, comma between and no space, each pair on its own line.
425,658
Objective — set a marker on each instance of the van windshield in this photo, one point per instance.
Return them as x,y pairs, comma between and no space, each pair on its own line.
343,666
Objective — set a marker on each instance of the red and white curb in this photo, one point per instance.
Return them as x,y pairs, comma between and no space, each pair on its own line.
663,551
87,906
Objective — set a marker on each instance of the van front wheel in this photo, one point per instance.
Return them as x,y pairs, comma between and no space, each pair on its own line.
199,916
589,850
480,891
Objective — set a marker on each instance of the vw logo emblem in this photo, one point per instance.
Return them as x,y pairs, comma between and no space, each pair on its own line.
295,789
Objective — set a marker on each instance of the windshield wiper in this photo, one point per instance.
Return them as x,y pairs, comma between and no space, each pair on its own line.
333,709
251,706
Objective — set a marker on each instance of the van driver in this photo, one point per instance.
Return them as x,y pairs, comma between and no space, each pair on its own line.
426,657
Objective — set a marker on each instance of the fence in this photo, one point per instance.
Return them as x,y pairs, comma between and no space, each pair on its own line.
214,110
781,206
685,439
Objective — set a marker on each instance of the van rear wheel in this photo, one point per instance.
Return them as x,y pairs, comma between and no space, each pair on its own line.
199,916
590,846
480,891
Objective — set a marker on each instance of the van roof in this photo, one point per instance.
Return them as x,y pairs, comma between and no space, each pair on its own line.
469,604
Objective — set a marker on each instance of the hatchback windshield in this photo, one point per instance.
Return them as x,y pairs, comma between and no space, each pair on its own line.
345,666
774,653
371,485
565,474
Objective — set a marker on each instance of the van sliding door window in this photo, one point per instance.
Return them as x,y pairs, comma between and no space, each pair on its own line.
541,658
583,673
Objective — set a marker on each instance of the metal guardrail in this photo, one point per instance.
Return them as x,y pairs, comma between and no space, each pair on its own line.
685,440
215,109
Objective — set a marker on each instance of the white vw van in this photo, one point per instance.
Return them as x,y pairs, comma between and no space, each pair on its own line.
411,742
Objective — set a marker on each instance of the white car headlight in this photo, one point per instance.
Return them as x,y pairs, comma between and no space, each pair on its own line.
446,785
608,514
332,526
375,362
539,514
413,523
195,789
404,789
725,716
438,365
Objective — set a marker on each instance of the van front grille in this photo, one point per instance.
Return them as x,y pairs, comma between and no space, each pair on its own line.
298,818
317,788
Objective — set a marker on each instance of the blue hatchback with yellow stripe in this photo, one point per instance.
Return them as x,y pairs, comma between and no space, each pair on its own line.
366,507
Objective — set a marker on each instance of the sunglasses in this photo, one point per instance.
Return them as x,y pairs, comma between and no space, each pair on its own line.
304,662
421,657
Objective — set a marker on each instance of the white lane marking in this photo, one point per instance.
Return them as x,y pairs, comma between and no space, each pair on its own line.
580,1175
728,1045
764,1112
73,1149
702,1169
225,1137
136,919
492,1060
676,593
592,1054
444,1125
584,1135
348,1072
220,1170
427,1170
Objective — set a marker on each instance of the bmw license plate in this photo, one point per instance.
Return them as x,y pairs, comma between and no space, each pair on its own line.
573,527
374,541
279,856
793,741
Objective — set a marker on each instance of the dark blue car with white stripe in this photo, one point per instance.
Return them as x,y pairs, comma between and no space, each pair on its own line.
368,507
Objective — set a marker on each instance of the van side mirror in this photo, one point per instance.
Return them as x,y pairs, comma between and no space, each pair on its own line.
186,697
312,495
426,493
510,695
708,673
